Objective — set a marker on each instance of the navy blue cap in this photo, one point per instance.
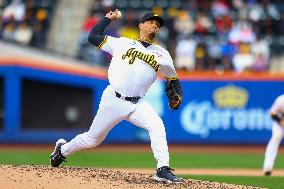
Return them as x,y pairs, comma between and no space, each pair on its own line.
153,16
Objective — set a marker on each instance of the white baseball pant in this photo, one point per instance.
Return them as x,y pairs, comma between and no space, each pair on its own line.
272,147
111,111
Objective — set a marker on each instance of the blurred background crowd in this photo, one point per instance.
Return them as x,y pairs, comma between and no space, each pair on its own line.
220,35
25,22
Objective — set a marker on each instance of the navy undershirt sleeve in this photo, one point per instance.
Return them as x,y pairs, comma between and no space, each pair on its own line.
96,35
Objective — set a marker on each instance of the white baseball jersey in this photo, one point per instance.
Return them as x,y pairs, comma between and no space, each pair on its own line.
277,135
134,68
278,106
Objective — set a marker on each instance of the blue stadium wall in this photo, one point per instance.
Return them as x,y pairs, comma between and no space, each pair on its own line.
214,111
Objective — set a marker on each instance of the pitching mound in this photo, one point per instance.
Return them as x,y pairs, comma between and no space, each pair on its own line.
27,177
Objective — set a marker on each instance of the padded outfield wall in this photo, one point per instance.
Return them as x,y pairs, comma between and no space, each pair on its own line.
43,101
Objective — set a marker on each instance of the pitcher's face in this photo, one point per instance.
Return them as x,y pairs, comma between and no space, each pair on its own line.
151,27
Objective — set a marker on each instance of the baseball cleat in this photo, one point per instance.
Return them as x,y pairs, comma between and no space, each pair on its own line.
267,173
56,158
164,174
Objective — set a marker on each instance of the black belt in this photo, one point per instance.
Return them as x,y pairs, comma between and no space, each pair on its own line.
134,100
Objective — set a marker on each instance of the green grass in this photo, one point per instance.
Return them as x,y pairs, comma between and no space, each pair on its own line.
137,159
219,160
265,182
146,160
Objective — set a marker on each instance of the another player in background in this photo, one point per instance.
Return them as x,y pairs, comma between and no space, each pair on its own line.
133,69
277,114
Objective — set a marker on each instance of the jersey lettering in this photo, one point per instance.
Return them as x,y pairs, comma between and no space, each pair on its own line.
149,59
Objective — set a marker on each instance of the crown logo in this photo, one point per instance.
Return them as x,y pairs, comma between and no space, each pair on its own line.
230,97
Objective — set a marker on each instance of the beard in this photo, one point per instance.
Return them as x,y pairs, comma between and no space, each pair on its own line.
152,35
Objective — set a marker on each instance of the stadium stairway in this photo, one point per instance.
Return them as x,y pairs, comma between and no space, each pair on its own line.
66,26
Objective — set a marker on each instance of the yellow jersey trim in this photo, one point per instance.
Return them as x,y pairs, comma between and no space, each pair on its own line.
171,78
103,42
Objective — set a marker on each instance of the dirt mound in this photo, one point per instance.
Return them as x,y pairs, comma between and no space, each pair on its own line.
27,177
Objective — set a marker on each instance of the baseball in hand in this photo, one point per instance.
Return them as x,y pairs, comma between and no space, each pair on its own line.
119,14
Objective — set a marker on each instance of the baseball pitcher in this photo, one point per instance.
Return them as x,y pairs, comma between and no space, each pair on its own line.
277,114
133,69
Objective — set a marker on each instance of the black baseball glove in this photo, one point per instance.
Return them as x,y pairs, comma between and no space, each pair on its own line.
174,93
278,117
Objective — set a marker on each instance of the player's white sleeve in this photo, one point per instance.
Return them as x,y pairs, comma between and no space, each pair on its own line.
109,44
277,106
168,69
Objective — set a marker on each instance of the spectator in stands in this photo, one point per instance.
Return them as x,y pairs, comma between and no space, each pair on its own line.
23,34
14,11
224,24
90,21
9,29
242,32
261,52
228,49
256,12
184,24
237,5
219,8
202,24
201,58
260,63
185,53
129,30
214,52
243,60
40,27
88,52
129,27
